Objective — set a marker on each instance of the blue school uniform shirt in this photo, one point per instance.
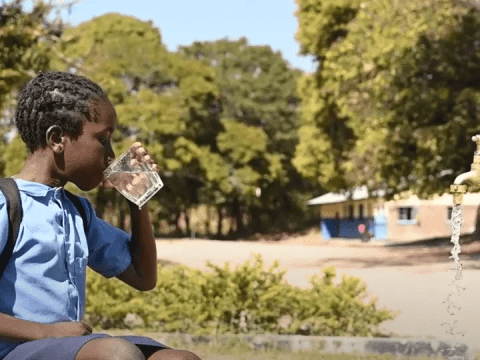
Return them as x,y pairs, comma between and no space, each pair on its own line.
44,281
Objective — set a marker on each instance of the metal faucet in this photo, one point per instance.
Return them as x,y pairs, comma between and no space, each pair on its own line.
471,178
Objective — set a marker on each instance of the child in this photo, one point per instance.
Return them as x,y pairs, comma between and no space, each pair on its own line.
67,123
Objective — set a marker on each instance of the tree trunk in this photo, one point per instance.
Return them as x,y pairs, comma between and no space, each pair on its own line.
207,222
220,221
237,213
255,224
178,228
187,221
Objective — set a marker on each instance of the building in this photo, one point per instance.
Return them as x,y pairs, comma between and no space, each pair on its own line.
402,219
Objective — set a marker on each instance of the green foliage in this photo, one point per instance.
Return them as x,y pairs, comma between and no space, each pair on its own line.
25,44
241,142
257,87
260,120
14,156
242,349
393,96
247,299
220,124
219,118
162,100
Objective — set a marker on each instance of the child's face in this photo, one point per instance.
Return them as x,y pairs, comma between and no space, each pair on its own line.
89,155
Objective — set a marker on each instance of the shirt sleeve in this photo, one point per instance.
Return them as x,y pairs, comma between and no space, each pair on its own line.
3,222
108,246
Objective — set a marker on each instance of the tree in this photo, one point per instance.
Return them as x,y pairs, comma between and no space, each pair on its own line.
257,87
24,44
14,156
27,43
387,97
260,116
166,102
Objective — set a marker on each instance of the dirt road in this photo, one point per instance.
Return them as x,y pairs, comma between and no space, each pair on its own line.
413,281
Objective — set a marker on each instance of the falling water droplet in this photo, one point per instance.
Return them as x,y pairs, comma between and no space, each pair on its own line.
451,305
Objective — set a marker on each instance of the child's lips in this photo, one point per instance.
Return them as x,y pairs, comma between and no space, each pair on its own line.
106,184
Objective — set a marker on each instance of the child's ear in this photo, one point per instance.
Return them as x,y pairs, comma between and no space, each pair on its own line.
55,138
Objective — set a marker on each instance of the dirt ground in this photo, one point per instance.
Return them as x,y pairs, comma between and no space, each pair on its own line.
413,280
309,250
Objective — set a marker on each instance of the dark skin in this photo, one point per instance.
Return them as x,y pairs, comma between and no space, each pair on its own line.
82,160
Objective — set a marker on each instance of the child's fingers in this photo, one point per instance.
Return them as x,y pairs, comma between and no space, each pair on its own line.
139,153
137,185
136,145
136,180
134,162
133,149
140,156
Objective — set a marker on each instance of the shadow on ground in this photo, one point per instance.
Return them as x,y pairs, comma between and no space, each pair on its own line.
437,241
425,252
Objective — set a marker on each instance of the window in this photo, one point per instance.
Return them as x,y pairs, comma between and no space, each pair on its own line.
449,213
350,211
407,215
360,211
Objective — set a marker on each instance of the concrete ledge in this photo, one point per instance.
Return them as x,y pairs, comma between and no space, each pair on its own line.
327,344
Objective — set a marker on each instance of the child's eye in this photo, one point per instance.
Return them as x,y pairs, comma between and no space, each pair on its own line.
104,140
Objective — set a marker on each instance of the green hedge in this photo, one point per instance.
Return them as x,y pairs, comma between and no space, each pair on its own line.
247,299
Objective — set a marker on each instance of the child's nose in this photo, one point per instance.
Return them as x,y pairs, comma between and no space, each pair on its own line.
110,154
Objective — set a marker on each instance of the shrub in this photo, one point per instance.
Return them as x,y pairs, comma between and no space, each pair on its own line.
247,299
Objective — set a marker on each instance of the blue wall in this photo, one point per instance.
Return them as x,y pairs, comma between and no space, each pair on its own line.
348,228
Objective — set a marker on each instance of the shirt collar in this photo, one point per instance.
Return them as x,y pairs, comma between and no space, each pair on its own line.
34,188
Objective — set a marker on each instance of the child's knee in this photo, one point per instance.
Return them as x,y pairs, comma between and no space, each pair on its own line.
109,349
170,354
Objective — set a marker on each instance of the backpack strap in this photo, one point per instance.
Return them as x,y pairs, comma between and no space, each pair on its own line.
15,214
81,209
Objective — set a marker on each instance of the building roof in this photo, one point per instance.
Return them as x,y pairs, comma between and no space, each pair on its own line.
469,199
358,193
361,193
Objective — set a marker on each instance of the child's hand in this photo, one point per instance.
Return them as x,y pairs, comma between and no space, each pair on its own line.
138,182
68,328
135,183
139,155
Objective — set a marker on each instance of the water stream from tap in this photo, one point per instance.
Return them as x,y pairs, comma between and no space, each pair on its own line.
452,305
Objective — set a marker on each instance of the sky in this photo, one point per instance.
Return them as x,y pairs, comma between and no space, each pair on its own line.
181,22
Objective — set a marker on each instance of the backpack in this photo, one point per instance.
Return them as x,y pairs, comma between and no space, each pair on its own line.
15,214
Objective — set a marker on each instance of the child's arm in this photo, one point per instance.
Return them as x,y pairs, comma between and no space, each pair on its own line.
14,329
142,273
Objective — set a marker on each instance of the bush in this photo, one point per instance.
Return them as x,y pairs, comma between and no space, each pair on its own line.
247,299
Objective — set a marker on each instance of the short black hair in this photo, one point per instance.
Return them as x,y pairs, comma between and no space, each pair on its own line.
55,98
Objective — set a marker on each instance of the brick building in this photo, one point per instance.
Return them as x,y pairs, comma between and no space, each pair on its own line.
402,219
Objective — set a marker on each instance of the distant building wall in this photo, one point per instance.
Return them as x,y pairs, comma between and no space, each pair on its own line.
343,219
349,209
399,220
329,211
430,221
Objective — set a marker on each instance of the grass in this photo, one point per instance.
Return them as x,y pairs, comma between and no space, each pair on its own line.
242,351
236,349
209,352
